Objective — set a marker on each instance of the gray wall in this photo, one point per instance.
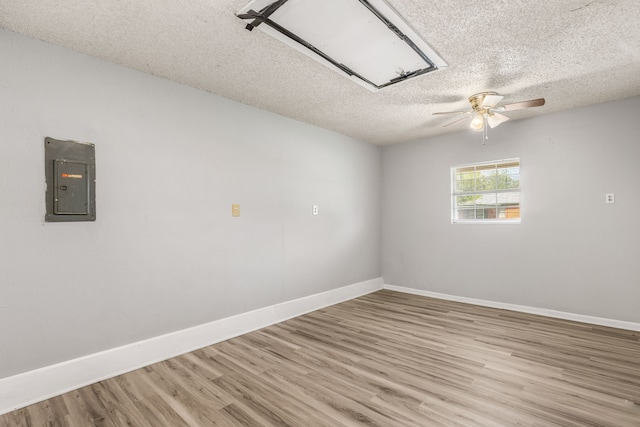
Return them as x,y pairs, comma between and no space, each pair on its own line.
572,252
165,253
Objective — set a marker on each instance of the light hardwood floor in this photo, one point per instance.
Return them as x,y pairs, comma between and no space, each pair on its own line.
385,359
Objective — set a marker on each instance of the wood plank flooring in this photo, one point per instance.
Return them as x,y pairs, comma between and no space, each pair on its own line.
385,359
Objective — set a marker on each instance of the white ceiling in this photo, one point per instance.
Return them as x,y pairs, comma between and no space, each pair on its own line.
571,52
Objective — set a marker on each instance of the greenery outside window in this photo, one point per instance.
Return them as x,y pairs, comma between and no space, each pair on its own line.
486,192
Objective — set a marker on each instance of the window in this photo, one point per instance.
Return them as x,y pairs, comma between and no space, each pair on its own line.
486,192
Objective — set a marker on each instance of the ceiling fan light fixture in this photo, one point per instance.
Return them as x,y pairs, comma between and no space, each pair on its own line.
477,123
495,119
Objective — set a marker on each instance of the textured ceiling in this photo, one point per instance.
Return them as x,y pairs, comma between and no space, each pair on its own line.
571,52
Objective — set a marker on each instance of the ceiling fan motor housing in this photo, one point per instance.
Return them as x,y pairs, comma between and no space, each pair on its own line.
477,99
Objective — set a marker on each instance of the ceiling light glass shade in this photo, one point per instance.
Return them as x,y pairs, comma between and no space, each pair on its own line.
365,40
477,122
494,119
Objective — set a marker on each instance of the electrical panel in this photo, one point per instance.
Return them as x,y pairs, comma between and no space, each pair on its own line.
70,172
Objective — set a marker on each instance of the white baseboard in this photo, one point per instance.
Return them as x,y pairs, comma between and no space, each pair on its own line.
34,386
621,324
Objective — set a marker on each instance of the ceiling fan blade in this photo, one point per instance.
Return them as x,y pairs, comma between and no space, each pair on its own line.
496,119
454,122
524,104
451,112
490,101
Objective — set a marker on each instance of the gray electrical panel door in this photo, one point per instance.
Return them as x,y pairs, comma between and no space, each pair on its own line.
70,174
71,188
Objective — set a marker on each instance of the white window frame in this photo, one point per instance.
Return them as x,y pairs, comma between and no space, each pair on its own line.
454,193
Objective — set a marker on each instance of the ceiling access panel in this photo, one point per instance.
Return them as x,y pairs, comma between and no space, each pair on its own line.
366,41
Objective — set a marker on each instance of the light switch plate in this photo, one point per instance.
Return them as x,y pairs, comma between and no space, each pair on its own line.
235,209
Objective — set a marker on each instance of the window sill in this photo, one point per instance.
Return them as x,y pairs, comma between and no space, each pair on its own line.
515,221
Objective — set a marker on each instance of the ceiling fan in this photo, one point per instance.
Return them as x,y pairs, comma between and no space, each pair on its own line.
486,111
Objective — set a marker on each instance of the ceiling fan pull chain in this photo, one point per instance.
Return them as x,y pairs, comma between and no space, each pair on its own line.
485,135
